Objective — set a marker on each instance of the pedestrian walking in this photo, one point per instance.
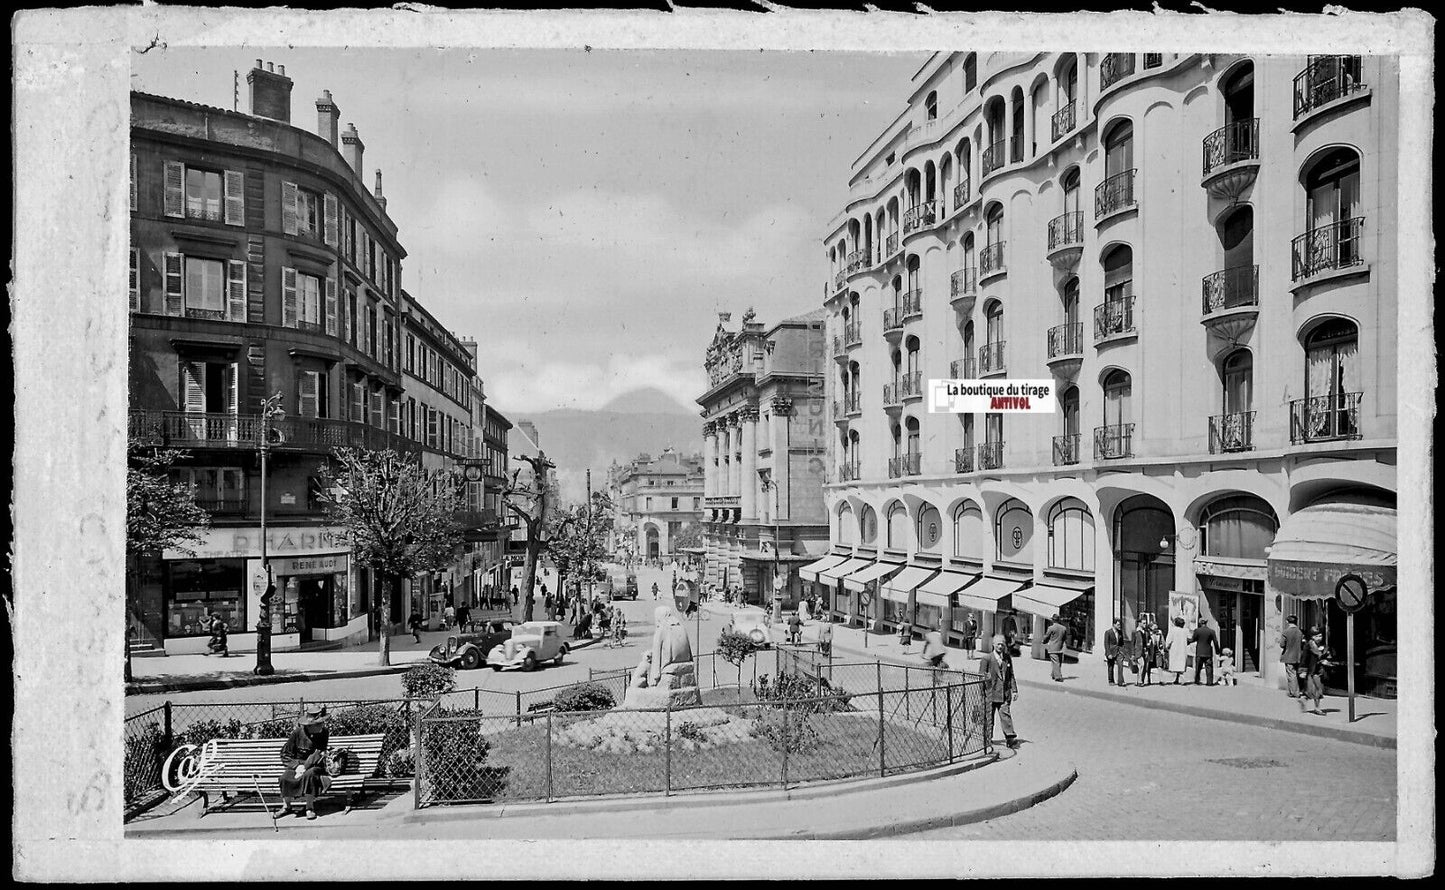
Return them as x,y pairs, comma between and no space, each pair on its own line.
516,597
1176,647
464,616
795,628
1314,659
449,616
1145,649
934,650
1000,689
1206,649
1115,651
1054,647
413,621
825,638
218,644
1291,648
970,636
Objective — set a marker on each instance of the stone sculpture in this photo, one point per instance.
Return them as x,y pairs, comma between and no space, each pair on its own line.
664,678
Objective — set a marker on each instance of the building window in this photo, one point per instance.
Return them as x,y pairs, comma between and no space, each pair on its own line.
205,288
203,194
198,588
313,394
308,301
308,213
970,73
1014,533
1071,536
930,529
930,106
1237,527
968,531
674,500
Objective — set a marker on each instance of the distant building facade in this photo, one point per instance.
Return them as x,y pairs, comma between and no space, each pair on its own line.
654,500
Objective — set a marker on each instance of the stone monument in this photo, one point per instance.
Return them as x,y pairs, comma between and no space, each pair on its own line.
665,677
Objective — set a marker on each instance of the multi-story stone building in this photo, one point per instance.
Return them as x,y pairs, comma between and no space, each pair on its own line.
765,435
260,264
654,499
1219,324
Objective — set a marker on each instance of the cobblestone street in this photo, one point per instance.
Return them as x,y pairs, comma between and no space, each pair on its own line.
1153,775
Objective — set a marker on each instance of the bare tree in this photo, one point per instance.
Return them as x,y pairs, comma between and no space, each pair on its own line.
534,502
399,516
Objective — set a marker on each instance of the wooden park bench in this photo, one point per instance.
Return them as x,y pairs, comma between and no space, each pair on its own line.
240,765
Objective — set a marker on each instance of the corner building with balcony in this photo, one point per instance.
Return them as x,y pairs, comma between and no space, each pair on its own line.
260,264
1199,251
654,499
765,441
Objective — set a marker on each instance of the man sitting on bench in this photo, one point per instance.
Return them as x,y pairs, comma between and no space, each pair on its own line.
304,756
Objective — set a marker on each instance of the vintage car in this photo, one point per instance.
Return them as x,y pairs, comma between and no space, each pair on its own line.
531,643
469,650
627,590
756,623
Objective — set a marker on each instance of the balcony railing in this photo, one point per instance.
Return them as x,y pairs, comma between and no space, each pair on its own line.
919,215
1066,230
207,314
848,473
961,194
990,259
1231,432
990,455
892,245
234,506
1325,79
1066,340
1231,144
963,460
1115,67
912,304
911,385
1332,246
1063,121
181,429
840,280
993,157
892,395
903,465
962,369
892,319
1113,441
1066,449
856,260
1114,194
1114,317
962,283
1231,289
1324,418
990,358
852,334
853,403
1153,60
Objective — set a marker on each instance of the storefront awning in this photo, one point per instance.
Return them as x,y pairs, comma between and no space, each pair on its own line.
1317,546
937,590
857,581
1046,599
901,585
810,571
987,593
831,576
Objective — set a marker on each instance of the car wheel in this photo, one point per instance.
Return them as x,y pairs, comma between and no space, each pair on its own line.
470,659
529,663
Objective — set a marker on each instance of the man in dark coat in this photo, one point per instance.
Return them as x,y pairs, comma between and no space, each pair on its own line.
1054,647
1116,650
304,756
1000,689
1291,644
1206,647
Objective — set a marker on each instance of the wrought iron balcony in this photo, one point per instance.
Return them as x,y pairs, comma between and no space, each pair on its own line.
990,455
961,194
892,395
993,157
903,465
962,369
848,473
893,321
1332,246
840,280
1114,194
183,429
1066,239
1114,68
990,259
892,245
920,215
990,359
1066,449
856,261
1066,341
852,334
963,283
1114,441
1228,289
1325,418
912,304
911,385
963,459
1063,121
853,403
1325,79
232,506
1153,60
1231,432
1113,318
840,352
1231,144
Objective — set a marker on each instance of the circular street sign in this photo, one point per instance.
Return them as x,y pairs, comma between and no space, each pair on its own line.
472,473
865,598
1351,593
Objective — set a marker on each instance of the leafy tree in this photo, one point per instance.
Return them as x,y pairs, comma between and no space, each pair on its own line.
689,536
735,648
576,545
399,516
160,514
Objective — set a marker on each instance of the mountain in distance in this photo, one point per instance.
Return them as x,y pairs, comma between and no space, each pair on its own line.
640,421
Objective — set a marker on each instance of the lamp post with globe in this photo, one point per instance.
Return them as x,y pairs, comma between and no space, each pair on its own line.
270,411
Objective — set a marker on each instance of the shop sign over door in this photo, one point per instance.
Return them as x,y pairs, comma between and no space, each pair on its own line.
1316,580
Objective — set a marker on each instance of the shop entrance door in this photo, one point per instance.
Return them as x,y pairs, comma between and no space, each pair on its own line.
315,606
1250,607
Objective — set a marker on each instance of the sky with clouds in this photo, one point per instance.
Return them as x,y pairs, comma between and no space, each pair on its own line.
585,214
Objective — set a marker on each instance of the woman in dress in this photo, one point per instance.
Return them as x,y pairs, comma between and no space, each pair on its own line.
304,756
1176,645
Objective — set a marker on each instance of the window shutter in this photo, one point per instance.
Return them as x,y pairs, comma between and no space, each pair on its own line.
331,307
376,408
175,294
234,185
233,402
396,416
193,389
288,297
306,397
330,222
236,291
288,208
345,233
134,186
135,279
358,408
175,192
346,316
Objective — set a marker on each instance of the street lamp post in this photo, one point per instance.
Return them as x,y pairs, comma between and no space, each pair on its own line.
270,410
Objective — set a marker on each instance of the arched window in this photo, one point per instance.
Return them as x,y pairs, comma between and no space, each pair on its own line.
1071,536
868,525
1068,84
914,362
970,72
913,274
930,106
913,436
1119,149
930,529
1239,95
1118,392
897,527
897,441
1071,191
1237,527
1116,316
1236,372
1236,241
1014,532
855,454
847,527
970,254
994,324
1332,204
1332,388
968,533
1016,131
1069,410
1070,298
994,226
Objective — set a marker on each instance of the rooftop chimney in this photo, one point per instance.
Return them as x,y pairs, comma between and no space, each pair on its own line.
380,198
270,92
352,147
328,118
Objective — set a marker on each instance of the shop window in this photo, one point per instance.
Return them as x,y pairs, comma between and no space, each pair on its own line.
1071,536
201,587
930,529
1239,527
968,532
1014,532
898,527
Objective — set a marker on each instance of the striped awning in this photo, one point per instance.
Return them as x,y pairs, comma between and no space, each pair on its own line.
810,571
902,585
937,590
831,575
987,593
1046,599
860,579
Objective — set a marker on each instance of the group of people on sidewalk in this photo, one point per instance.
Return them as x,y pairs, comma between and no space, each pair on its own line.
1149,649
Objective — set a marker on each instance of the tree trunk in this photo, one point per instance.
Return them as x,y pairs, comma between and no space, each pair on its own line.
384,611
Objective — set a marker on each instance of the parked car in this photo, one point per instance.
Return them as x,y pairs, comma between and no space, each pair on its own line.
530,644
469,650
756,623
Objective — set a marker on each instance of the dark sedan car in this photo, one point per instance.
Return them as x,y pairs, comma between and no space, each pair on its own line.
469,650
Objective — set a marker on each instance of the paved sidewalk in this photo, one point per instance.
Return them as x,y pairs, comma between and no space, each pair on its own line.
1249,702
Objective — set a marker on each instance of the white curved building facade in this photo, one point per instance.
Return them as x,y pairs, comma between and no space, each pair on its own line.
1199,251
